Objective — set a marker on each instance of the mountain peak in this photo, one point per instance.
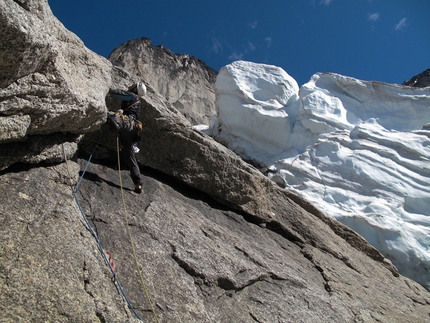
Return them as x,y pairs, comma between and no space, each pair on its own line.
420,80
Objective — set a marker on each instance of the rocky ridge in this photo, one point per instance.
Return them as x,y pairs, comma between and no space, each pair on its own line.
184,81
215,239
420,80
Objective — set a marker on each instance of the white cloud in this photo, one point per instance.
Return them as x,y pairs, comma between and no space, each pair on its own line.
235,56
251,46
401,25
216,45
373,16
253,24
300,19
268,41
325,2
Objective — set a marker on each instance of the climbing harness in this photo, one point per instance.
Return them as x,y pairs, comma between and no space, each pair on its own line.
129,233
105,257
122,122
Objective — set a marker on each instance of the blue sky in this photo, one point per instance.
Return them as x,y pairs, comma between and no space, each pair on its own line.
379,40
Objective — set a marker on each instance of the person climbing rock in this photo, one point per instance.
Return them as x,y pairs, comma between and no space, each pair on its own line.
126,121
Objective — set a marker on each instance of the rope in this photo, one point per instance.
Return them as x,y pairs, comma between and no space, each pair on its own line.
95,235
67,166
129,234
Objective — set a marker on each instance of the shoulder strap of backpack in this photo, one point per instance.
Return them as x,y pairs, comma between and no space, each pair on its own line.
133,104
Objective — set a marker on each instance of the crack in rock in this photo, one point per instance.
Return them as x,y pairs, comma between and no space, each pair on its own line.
184,265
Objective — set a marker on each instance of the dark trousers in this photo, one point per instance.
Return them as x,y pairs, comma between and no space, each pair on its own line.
128,156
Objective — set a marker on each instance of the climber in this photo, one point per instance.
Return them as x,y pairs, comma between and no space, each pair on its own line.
126,121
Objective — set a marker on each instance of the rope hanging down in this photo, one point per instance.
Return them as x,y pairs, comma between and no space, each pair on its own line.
129,233
118,284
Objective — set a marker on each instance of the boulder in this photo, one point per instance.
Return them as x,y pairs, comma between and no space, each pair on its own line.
50,85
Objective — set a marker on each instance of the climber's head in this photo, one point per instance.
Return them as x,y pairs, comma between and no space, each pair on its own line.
139,88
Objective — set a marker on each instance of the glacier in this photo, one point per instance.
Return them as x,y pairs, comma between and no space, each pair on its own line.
358,150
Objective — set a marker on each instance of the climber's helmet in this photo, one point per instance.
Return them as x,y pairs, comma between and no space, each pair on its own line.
139,88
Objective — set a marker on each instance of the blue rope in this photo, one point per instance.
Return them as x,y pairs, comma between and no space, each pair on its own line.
95,235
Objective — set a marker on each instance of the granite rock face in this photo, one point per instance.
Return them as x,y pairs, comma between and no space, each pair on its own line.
214,239
51,85
50,267
201,260
184,81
